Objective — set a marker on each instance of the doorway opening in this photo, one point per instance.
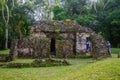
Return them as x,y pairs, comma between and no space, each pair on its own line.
52,46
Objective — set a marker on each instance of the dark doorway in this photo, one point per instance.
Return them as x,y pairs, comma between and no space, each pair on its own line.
52,46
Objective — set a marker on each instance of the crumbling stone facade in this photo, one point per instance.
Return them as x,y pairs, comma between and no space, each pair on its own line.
64,49
59,38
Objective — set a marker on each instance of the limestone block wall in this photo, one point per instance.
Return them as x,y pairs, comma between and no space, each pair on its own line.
99,46
64,48
81,42
68,36
32,47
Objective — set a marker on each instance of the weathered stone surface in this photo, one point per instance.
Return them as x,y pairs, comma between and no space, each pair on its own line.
99,46
13,51
64,48
81,42
73,39
55,26
31,47
38,34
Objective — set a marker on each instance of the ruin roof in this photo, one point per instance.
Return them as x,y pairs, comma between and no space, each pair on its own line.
59,26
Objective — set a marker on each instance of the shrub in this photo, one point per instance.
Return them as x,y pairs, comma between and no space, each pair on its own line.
35,63
16,65
48,62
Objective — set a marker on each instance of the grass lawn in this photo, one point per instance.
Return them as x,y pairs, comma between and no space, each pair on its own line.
80,69
43,73
4,51
108,69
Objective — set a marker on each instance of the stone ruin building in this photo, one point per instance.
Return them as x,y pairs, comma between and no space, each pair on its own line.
58,38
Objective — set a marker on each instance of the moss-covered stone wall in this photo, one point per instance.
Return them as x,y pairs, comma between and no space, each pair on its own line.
99,46
64,49
32,47
67,35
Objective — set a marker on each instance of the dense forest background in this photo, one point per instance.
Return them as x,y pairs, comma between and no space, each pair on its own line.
16,16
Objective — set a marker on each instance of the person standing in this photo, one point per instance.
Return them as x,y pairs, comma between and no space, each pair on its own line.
109,47
88,46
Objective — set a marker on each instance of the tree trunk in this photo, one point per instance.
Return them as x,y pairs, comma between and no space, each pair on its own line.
19,30
50,13
6,36
6,19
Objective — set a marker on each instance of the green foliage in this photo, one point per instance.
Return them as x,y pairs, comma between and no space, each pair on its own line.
21,19
35,63
20,16
85,20
2,2
57,30
70,10
48,63
99,33
16,65
112,23
60,38
75,7
59,13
